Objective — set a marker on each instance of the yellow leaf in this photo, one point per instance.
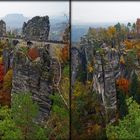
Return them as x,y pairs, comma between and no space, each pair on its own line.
122,61
90,68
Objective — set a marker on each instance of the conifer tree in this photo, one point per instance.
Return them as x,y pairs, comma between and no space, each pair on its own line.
25,112
121,103
134,88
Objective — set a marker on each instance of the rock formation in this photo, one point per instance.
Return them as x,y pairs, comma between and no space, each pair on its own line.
107,70
2,28
34,76
37,28
75,59
138,25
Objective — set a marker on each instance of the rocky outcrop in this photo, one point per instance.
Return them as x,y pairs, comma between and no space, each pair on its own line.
35,70
106,71
2,28
37,28
75,59
34,76
138,25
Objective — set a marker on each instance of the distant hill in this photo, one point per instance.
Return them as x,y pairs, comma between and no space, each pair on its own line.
79,30
15,20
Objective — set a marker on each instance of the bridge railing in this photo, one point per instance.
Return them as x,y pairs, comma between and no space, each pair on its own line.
22,38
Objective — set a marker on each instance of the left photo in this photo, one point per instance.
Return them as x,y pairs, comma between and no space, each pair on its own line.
34,70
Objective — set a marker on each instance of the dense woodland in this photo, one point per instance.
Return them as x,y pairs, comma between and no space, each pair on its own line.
106,88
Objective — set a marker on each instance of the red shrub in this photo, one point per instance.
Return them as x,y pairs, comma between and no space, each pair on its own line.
123,84
5,98
33,53
1,73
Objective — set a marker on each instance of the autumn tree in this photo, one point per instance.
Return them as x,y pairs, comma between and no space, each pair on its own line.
123,84
112,34
7,84
65,54
58,122
88,120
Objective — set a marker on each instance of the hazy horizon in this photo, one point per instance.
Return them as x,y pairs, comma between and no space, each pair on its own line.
31,9
50,16
104,12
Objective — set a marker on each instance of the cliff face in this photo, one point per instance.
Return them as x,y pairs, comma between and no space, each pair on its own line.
106,71
37,28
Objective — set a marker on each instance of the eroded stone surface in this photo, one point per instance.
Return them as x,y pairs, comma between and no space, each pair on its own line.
2,28
37,28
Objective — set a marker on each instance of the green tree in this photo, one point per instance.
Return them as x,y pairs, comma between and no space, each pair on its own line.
129,26
121,103
24,113
88,119
134,89
128,127
8,128
58,122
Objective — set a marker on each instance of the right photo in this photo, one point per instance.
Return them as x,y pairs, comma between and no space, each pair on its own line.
105,70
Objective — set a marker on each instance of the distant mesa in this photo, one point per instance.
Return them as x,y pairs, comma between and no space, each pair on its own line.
37,28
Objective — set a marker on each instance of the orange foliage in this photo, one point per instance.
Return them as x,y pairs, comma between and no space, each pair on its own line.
94,129
33,53
111,31
5,92
65,53
122,61
7,83
123,84
1,73
128,44
5,98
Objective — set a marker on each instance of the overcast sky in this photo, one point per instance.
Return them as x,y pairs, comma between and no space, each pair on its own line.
30,9
91,12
